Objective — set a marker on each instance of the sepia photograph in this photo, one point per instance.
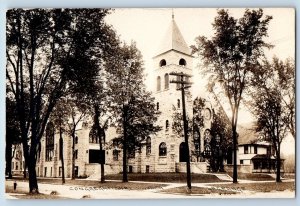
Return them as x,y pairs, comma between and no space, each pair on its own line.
150,103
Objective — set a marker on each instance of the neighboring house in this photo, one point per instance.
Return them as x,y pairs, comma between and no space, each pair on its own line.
253,155
257,158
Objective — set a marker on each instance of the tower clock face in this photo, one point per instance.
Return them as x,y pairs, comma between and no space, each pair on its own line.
207,114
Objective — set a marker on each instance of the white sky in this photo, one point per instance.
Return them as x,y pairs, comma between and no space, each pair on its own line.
147,28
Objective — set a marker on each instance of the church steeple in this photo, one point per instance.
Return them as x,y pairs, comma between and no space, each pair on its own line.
172,14
173,40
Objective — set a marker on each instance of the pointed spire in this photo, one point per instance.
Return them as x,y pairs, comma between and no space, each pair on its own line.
173,40
172,14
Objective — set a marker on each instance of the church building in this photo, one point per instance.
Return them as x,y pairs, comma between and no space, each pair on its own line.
163,152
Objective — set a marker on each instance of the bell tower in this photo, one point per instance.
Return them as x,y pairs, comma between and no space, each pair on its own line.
173,55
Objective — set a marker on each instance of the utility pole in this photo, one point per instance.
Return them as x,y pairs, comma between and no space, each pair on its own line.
184,84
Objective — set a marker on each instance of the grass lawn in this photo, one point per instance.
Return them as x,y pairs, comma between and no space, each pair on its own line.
166,177
22,194
198,191
254,176
259,187
107,185
289,175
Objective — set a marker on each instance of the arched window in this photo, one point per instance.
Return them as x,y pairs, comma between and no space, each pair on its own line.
93,137
167,124
158,83
178,103
163,149
50,141
182,62
157,106
162,63
166,81
148,146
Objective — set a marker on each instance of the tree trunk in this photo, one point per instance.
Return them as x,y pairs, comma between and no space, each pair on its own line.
102,168
61,155
73,155
8,158
26,156
103,160
101,135
234,176
278,178
24,171
33,184
125,178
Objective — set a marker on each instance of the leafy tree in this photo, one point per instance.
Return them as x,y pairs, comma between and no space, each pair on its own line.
59,117
233,55
40,46
195,124
98,44
133,107
12,134
198,123
77,113
286,75
220,126
33,49
270,103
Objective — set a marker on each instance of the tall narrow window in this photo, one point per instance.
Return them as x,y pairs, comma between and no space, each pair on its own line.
163,149
255,149
76,154
115,155
178,103
246,151
157,106
158,85
148,146
93,137
166,81
49,142
167,124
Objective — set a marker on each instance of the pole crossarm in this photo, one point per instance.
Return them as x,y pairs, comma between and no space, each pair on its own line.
180,82
180,74
185,87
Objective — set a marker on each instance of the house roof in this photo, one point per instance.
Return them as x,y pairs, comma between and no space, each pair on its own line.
173,40
261,156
